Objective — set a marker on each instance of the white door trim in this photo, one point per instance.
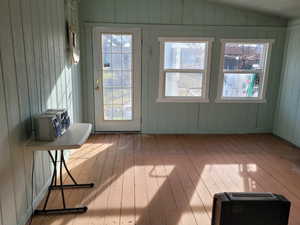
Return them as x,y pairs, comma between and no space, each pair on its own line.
100,123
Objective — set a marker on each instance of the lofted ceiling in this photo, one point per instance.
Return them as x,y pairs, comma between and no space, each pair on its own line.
284,8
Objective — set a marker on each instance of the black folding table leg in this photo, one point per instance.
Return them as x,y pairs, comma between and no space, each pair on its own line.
61,180
61,186
70,186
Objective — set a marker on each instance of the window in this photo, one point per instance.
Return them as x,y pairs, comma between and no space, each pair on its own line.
117,76
184,69
244,70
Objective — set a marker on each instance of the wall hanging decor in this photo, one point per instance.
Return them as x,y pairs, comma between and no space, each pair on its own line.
71,13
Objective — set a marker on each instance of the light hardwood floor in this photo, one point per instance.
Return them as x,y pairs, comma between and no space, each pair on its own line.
171,179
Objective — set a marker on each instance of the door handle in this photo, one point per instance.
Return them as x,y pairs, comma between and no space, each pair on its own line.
97,88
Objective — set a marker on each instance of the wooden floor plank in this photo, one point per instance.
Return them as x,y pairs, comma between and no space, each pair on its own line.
127,205
155,209
140,183
171,179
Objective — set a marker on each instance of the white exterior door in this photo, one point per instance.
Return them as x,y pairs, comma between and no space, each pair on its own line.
117,79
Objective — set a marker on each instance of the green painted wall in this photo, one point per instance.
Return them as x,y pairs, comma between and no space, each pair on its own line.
287,124
34,76
159,18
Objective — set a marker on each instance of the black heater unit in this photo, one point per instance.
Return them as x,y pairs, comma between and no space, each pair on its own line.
250,209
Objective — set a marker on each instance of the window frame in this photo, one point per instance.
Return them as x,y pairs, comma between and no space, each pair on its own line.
263,73
204,98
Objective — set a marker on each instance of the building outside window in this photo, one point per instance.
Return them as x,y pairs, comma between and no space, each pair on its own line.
244,70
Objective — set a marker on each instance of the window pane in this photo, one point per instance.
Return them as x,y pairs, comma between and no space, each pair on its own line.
126,78
126,61
108,78
106,43
127,96
244,56
241,85
126,43
107,96
184,55
118,112
116,43
183,84
117,76
106,61
108,112
127,112
116,61
117,96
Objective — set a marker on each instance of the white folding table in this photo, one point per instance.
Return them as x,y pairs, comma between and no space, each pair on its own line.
73,138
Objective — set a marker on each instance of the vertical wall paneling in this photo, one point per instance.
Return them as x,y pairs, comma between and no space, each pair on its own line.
160,18
288,108
32,78
10,71
7,197
193,117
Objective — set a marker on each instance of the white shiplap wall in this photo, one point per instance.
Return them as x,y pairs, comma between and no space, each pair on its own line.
34,75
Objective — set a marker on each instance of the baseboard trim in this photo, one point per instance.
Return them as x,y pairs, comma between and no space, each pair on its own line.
37,200
233,131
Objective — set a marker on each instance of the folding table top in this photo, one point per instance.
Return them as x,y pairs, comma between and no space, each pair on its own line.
73,138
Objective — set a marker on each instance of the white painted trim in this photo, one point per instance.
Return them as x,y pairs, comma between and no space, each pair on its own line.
239,100
264,72
206,72
248,41
126,125
185,39
192,26
183,99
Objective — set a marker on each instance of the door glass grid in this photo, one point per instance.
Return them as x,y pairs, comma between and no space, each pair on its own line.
117,76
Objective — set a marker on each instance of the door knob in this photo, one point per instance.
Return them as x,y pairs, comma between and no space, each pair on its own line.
97,88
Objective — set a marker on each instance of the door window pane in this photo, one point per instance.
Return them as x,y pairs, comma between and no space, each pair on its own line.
116,43
184,55
244,56
107,96
117,76
117,112
106,43
117,96
108,80
183,84
108,112
126,43
127,96
126,78
241,85
116,61
126,61
106,61
127,112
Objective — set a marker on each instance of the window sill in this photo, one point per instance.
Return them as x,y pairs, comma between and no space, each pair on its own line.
256,101
182,100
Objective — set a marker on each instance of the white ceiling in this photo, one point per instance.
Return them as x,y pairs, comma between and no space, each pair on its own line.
285,8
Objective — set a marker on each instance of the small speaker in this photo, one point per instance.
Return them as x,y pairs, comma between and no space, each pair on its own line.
250,209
